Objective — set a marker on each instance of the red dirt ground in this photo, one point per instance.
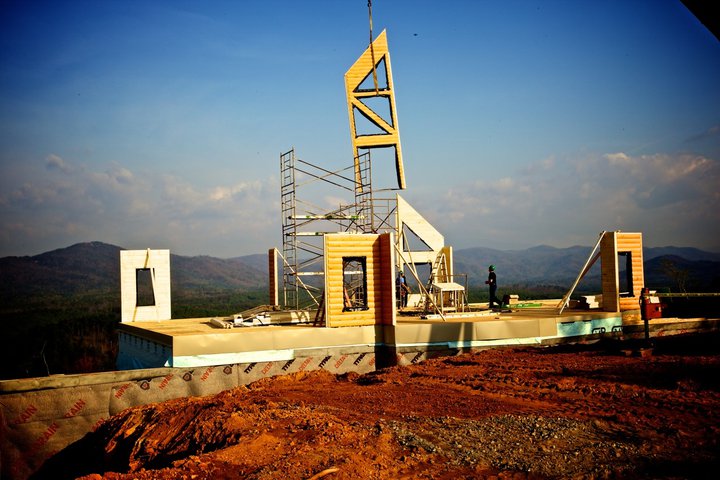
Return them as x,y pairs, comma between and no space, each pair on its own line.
585,411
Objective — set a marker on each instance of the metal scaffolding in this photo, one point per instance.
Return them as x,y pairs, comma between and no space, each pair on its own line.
304,223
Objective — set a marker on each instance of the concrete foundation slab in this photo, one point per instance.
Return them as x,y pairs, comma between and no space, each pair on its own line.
41,416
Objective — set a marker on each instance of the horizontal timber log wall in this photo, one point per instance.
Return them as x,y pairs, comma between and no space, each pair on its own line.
376,250
612,244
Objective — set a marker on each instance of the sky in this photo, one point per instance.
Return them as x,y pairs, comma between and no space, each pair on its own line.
160,124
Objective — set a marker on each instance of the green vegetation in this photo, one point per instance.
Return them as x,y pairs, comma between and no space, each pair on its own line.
210,303
52,334
60,334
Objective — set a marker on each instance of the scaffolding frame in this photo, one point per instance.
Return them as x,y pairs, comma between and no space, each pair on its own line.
302,222
303,240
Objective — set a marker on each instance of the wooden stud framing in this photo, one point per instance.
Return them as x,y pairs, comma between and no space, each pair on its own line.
612,244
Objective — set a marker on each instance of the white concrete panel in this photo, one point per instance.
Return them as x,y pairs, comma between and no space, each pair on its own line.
158,261
408,216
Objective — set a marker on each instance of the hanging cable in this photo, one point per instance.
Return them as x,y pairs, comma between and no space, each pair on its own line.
372,50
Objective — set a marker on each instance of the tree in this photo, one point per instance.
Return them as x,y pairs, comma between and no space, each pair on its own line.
679,275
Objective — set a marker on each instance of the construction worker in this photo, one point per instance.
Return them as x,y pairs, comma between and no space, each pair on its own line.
405,292
402,289
492,282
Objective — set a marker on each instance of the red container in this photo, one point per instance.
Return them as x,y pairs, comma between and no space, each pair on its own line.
650,307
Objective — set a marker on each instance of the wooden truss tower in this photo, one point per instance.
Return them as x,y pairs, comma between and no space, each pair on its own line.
371,102
304,222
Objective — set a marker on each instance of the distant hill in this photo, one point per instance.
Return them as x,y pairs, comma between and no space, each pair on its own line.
66,271
95,267
60,309
257,261
537,265
545,265
687,253
681,274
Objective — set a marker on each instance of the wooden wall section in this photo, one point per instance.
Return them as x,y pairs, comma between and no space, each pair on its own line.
448,267
632,242
377,250
273,276
612,244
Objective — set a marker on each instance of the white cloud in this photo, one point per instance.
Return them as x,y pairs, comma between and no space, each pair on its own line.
540,166
671,199
53,162
618,158
126,208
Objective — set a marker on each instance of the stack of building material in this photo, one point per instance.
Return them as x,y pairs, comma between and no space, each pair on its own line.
590,301
511,299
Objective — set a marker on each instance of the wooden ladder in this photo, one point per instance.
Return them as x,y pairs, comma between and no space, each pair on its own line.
433,275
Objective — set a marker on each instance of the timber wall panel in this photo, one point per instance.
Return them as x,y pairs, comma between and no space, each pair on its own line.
448,251
378,271
632,242
611,244
273,276
608,272
387,279
357,100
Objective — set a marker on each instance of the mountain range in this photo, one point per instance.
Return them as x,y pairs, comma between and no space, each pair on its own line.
60,309
543,265
95,266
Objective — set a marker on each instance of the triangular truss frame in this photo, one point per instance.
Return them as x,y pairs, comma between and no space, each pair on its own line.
358,99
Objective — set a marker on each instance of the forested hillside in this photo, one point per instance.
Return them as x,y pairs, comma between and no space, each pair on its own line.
59,309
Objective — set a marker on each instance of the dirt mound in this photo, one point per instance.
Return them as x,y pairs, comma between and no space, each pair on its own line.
592,411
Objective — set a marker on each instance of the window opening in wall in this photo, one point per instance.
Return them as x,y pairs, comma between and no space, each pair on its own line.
145,295
625,274
354,284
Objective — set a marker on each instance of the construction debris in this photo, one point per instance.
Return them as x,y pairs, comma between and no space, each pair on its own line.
590,301
260,319
220,323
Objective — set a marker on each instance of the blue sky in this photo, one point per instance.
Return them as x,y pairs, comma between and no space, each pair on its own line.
160,123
